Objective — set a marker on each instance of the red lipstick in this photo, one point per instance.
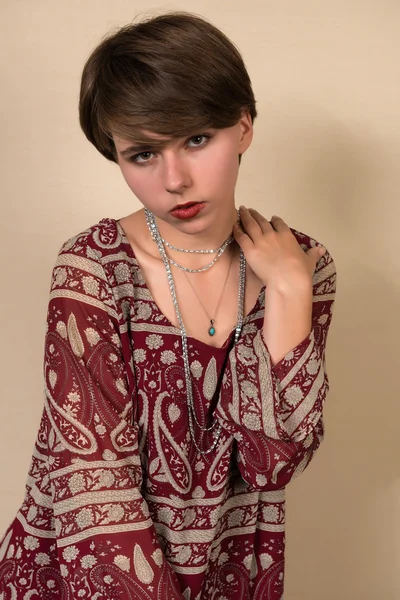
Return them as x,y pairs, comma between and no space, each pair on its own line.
188,210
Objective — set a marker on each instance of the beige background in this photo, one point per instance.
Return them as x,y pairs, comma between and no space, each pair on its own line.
325,157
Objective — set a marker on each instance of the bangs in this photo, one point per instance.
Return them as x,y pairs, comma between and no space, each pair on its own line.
155,134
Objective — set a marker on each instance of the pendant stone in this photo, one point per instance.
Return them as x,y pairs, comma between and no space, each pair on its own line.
211,331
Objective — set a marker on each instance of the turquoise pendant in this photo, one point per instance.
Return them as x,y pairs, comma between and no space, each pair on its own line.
211,331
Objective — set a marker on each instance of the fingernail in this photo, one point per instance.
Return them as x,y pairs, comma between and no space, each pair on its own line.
322,251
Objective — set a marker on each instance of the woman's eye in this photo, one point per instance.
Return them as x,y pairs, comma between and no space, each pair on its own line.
198,140
142,157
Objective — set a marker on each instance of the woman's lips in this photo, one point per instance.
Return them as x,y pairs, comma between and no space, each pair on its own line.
189,211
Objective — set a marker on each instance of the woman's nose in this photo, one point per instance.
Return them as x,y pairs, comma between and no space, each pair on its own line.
176,174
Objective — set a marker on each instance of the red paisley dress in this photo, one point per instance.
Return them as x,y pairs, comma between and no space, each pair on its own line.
119,504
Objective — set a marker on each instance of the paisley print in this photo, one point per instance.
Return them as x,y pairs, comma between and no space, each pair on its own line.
173,459
118,502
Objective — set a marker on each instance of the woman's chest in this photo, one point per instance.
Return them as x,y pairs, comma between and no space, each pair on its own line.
170,428
208,307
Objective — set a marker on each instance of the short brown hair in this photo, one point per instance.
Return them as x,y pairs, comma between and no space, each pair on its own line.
173,75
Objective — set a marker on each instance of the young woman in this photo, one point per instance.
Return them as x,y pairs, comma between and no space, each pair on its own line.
184,365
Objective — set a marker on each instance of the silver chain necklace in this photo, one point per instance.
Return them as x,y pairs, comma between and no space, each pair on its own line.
211,251
215,426
155,234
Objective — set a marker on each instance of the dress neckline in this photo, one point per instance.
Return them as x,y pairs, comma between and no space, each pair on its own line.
130,252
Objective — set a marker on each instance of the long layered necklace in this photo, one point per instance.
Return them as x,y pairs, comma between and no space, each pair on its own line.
214,426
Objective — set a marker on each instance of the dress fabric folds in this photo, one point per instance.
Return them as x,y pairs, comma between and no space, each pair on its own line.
119,504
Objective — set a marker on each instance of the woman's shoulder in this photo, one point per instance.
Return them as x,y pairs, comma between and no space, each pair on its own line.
325,273
307,242
97,263
101,250
96,242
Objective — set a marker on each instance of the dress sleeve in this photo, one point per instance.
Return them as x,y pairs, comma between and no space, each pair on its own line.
106,543
275,412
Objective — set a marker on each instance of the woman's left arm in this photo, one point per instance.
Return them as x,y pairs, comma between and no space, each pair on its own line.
274,409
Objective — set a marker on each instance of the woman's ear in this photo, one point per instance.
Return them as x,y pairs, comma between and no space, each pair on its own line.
246,132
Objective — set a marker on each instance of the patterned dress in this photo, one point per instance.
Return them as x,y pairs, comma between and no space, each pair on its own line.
119,504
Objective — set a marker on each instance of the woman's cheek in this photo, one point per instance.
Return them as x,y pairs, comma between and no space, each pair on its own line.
135,181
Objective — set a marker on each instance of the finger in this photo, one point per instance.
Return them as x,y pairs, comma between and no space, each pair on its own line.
319,251
314,255
264,224
249,223
241,237
279,224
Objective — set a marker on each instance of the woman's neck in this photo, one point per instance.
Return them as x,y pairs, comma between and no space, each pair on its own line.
198,236
201,235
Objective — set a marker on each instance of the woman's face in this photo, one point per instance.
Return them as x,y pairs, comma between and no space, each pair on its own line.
200,169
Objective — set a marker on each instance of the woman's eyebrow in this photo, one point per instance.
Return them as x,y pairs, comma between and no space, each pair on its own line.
149,147
134,150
